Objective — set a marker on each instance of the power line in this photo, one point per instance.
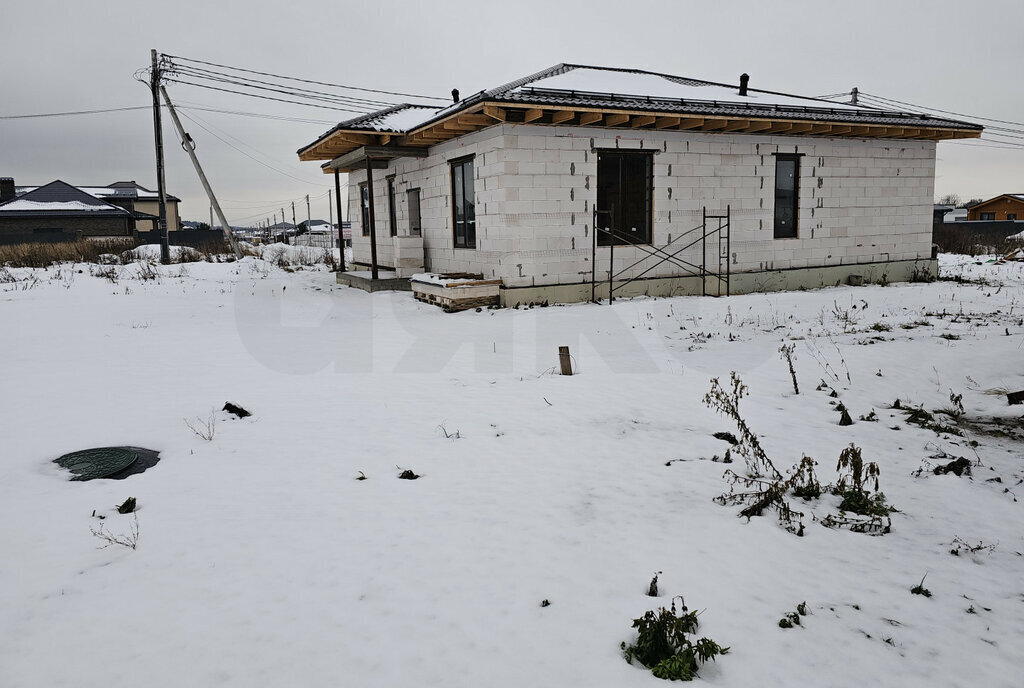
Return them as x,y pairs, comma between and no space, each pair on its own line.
326,98
75,112
306,81
242,81
228,143
947,112
254,95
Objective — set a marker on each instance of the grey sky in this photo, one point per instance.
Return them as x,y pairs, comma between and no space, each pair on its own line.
61,56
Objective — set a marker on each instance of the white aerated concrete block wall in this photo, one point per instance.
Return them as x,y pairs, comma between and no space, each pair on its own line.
860,201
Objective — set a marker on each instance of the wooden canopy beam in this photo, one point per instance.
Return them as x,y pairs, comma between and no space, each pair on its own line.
779,128
642,121
560,116
590,118
691,123
667,122
615,120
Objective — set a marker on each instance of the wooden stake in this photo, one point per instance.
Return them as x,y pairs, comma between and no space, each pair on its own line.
565,360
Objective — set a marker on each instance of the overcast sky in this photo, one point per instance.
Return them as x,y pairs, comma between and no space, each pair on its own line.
60,56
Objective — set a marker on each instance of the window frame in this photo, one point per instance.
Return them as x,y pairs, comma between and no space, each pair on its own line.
415,228
392,211
619,235
469,230
987,217
778,231
1011,217
364,208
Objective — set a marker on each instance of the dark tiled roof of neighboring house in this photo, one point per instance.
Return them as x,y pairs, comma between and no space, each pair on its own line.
59,198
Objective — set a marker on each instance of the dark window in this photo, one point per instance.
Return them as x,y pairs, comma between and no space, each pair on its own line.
415,228
392,217
624,190
988,216
787,195
463,197
1011,216
364,205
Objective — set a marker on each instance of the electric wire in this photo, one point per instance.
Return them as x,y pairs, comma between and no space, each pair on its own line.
354,107
254,95
76,112
306,81
205,73
257,160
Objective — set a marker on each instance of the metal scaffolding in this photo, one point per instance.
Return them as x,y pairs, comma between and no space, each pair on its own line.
713,232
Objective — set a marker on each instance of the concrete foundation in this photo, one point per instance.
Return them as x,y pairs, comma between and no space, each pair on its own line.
387,281
740,283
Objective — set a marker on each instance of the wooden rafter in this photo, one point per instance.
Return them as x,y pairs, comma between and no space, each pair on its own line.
666,122
496,113
642,121
560,116
714,124
590,118
691,123
616,119
532,114
737,125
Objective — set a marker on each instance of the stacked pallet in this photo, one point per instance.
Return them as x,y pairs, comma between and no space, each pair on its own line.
455,291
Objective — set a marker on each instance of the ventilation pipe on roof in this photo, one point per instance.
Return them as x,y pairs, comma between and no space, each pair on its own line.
744,78
455,95
6,188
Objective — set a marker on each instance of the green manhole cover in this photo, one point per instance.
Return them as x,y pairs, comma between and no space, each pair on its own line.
97,463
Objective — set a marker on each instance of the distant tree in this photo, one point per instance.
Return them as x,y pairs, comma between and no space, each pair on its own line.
203,226
973,201
301,227
950,199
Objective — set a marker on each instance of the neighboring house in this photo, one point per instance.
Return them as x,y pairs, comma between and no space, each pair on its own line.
58,211
956,215
510,183
998,209
138,200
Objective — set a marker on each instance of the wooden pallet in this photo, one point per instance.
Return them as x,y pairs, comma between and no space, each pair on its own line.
453,305
459,296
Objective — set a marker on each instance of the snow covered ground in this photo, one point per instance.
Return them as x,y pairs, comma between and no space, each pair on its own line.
263,561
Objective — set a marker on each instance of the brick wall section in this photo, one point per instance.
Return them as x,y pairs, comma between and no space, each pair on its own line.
86,226
860,200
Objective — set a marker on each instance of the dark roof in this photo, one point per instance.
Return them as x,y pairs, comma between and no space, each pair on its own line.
63,198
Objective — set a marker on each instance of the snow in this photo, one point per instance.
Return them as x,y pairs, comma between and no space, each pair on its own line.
442,279
22,205
263,561
639,84
405,119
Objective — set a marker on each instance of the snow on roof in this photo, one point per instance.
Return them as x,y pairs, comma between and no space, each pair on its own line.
397,119
22,205
640,84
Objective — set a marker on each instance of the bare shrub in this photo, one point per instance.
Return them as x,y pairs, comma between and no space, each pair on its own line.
204,429
41,255
129,539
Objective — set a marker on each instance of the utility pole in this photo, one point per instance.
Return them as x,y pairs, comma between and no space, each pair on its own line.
854,93
190,148
309,217
284,222
330,209
293,215
158,135
211,217
341,237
